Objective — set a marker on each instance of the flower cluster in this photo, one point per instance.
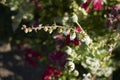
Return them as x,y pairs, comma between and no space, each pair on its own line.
92,63
51,73
89,4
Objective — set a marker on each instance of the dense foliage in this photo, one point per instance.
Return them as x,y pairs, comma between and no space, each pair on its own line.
72,39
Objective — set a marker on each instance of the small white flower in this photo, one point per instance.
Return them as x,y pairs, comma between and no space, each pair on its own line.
66,32
72,36
29,30
25,17
13,8
74,18
86,76
12,17
86,40
110,49
69,50
75,73
70,66
26,30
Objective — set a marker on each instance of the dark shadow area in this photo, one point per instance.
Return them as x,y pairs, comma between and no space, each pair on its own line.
13,67
116,74
116,58
5,23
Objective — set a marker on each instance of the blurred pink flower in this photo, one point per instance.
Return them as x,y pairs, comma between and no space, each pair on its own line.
46,77
97,4
50,70
78,29
76,42
50,73
57,73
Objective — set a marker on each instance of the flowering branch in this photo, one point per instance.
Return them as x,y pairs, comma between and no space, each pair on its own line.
46,28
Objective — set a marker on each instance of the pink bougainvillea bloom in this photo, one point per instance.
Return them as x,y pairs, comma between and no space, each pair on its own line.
46,77
50,73
57,73
76,42
50,70
78,29
97,4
